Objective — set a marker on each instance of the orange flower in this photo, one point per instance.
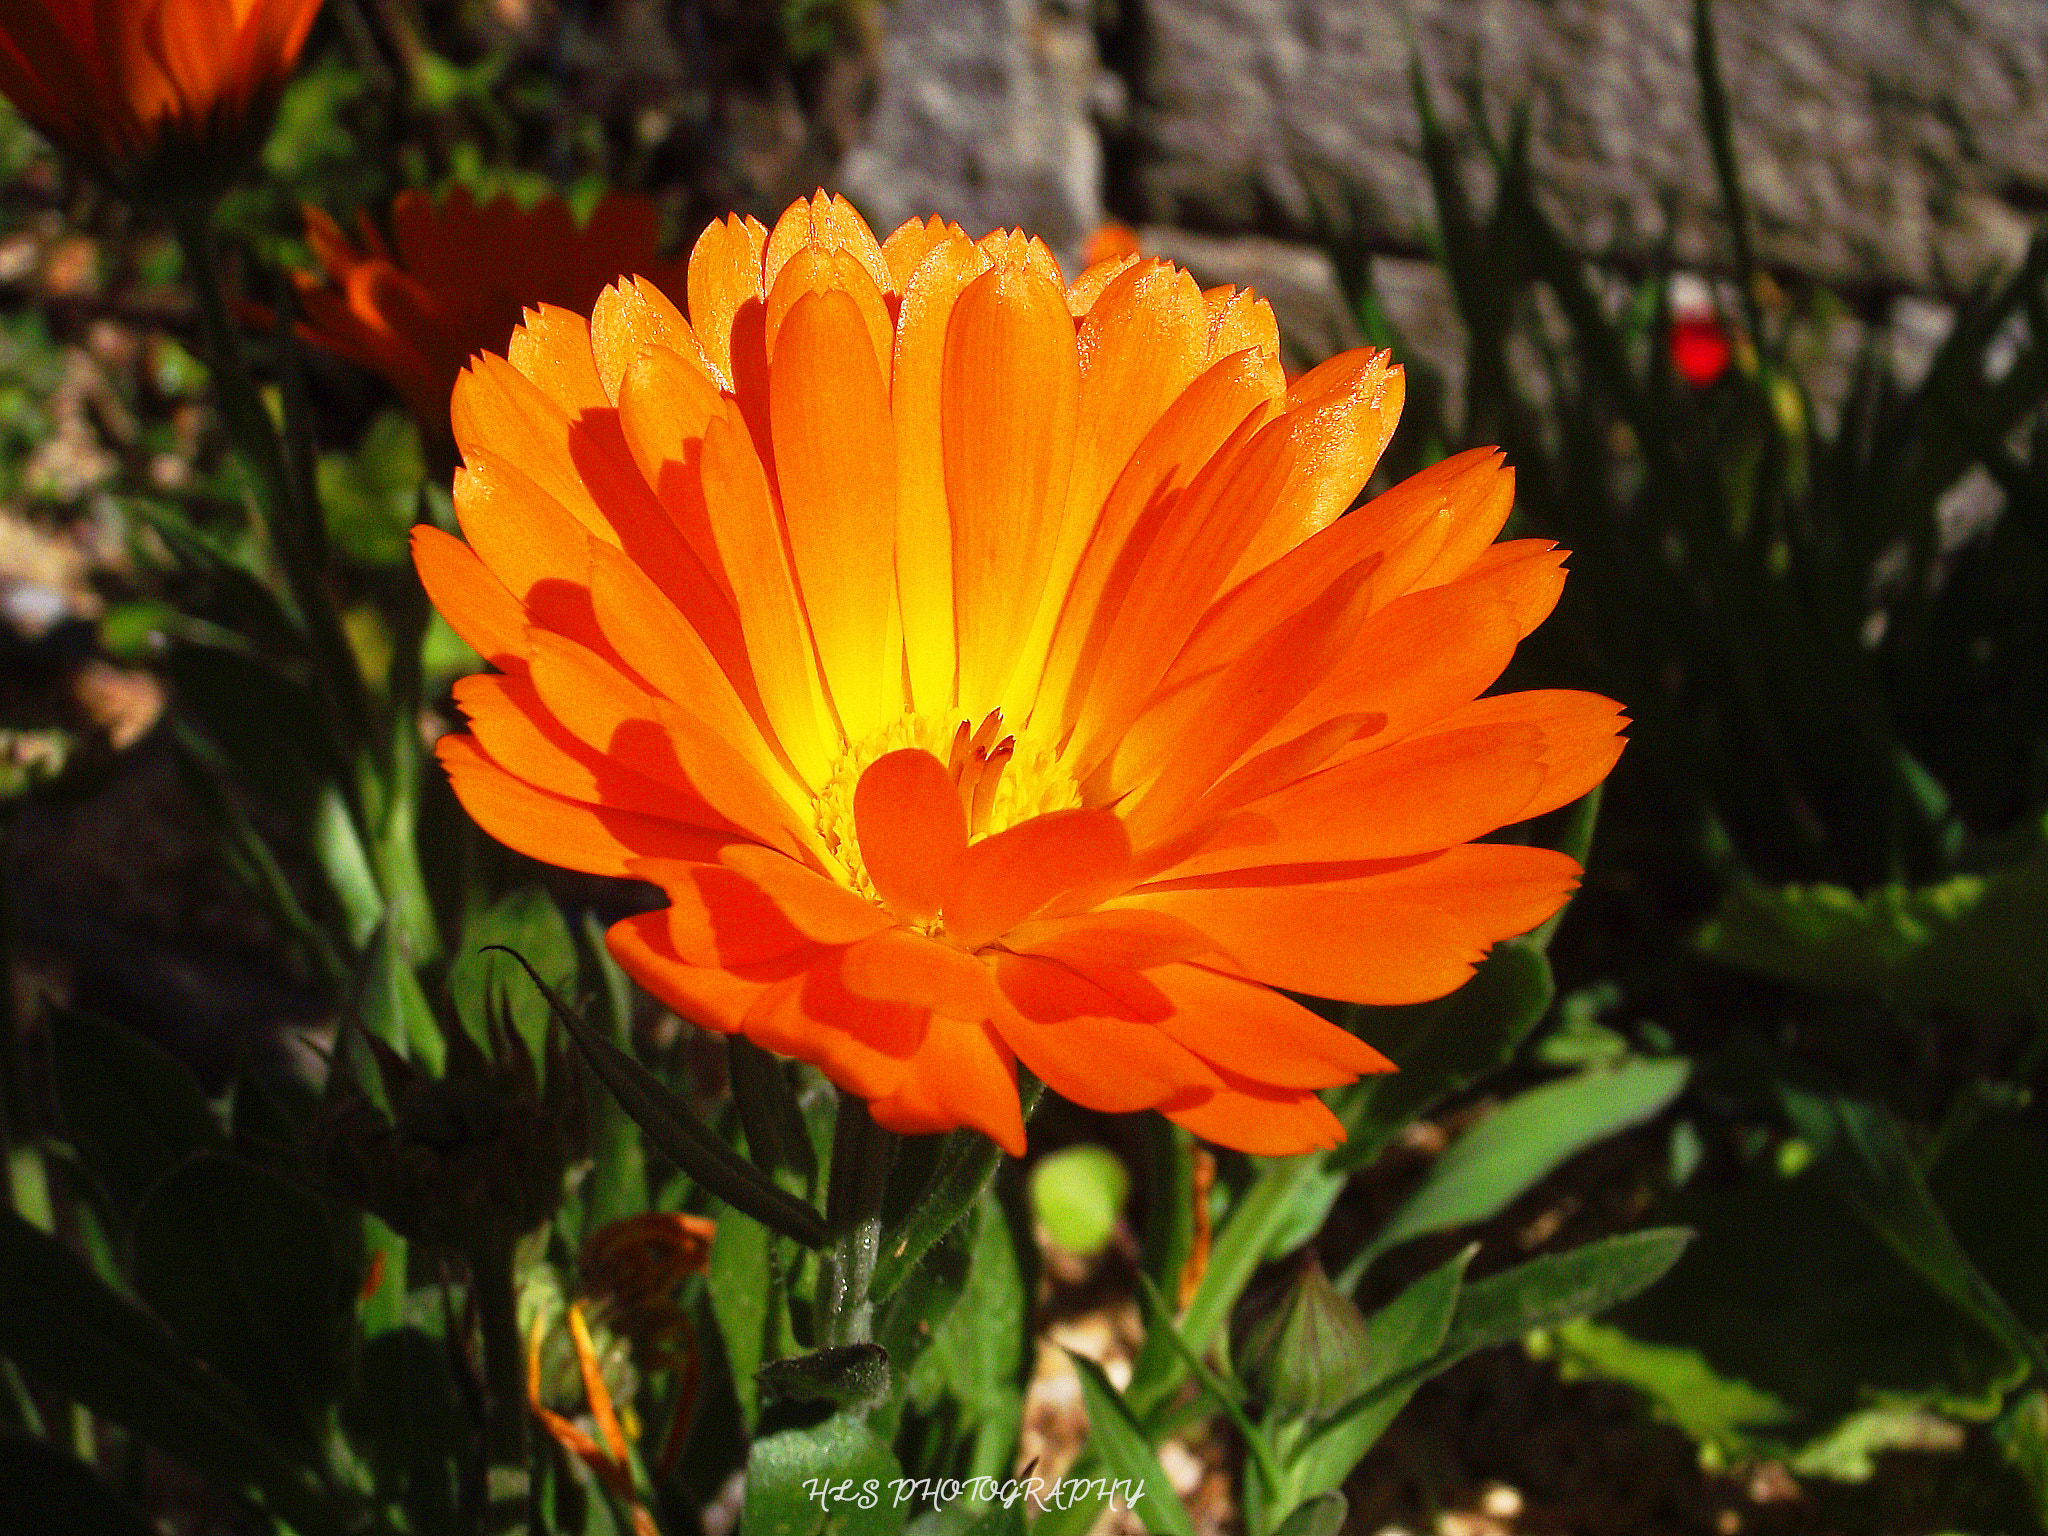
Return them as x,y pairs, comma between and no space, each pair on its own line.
453,279
1109,242
161,97
983,670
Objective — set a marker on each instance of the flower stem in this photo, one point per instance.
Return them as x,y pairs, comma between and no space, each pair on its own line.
291,515
861,1154
497,1306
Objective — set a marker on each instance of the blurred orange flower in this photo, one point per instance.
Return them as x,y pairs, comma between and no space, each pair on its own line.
164,98
1109,242
453,278
985,673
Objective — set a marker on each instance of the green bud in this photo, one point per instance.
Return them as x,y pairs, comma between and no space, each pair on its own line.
1307,1356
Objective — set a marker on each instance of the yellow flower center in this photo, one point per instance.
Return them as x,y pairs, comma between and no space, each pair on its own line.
1003,778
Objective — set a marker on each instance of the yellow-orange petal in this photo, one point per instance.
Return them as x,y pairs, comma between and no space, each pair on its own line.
823,223
631,316
835,462
924,528
475,603
717,916
1339,418
1010,388
726,295
912,830
899,966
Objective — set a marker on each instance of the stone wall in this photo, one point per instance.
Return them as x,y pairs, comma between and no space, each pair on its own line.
1890,145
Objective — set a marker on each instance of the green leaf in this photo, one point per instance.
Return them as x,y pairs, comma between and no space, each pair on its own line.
395,1009
981,1348
1077,1194
618,1177
1404,1336
1318,1517
63,1325
743,1289
44,1492
675,1130
1557,1287
1683,1386
1889,1191
529,924
966,1165
241,1265
1442,1048
1973,942
131,1110
837,1477
1116,1436
1506,1154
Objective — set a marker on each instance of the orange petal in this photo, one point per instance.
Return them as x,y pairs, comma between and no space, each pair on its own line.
716,916
1528,574
1008,877
473,601
1480,500
519,734
913,240
709,996
1088,1046
724,283
898,966
1339,417
631,316
835,462
666,404
594,839
828,223
1404,933
1581,738
552,349
862,1045
1190,433
962,1074
1256,1033
1431,791
911,828
1273,1123
924,532
1010,388
753,553
1128,940
819,908
1140,347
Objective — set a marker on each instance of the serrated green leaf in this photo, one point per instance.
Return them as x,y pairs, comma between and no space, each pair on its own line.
131,1110
1973,942
241,1265
1117,1438
836,1478
1503,1156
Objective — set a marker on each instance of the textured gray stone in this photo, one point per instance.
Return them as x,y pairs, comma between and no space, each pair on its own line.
1891,143
1882,141
986,114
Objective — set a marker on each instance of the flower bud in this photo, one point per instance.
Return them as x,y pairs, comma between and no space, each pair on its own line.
1307,1356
